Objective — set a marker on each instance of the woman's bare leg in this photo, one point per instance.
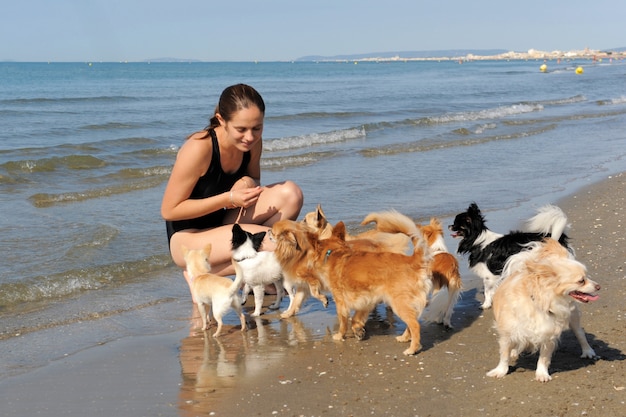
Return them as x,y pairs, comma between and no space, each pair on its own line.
278,201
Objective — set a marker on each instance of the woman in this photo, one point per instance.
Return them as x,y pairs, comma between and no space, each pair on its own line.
215,182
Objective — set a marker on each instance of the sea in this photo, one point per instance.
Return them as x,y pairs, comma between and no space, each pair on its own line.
86,149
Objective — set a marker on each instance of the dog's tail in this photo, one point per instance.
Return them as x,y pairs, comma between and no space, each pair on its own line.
392,221
238,282
549,220
519,261
421,249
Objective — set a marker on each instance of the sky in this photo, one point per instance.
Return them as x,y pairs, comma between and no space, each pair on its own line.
284,30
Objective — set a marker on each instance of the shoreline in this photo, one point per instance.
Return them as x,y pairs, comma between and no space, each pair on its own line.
293,368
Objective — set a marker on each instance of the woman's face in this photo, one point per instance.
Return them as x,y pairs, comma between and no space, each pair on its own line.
245,128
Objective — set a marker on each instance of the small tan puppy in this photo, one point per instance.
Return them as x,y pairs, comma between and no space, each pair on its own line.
220,293
536,301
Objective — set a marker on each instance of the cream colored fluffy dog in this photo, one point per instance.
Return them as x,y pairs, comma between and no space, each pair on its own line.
537,301
217,292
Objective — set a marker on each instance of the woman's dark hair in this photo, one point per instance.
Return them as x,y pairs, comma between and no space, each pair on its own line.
235,98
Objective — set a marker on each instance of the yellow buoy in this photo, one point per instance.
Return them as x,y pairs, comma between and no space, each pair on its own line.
543,68
579,70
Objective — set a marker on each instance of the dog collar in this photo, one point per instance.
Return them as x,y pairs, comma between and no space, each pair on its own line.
327,255
242,259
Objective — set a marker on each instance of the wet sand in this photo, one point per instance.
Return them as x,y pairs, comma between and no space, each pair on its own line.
294,368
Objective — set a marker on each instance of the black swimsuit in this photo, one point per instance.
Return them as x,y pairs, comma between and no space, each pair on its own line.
214,182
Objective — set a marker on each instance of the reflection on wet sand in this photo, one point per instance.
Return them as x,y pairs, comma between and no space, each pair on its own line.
213,366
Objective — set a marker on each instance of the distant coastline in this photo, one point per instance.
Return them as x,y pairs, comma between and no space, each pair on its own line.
475,55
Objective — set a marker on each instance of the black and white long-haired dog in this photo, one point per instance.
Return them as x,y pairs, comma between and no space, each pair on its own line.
488,251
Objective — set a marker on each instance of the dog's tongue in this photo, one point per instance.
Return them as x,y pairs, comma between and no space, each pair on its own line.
584,297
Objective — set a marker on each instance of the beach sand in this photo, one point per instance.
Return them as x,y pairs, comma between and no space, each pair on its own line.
294,368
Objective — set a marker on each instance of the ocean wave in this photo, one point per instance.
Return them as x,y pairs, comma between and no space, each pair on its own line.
476,130
557,102
69,283
493,113
304,141
112,126
128,144
42,200
557,119
612,101
469,116
131,173
317,115
51,164
430,145
68,100
283,162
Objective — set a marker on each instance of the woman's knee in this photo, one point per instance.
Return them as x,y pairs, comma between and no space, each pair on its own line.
293,198
176,251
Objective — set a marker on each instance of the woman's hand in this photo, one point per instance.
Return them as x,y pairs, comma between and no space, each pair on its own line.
245,193
244,182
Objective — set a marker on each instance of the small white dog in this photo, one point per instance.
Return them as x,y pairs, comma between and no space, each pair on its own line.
258,268
220,293
537,301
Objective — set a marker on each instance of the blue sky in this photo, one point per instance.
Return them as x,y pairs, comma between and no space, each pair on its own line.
282,30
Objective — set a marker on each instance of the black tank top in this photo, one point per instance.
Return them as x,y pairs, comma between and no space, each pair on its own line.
214,182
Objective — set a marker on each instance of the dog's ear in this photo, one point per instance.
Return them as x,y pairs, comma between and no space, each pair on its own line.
257,240
298,239
473,209
287,235
319,214
542,283
339,231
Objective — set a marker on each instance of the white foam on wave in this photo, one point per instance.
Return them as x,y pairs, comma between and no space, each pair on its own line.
613,101
303,141
494,113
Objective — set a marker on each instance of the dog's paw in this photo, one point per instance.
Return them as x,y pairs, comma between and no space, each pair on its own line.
339,337
404,337
485,306
255,314
359,333
410,352
286,314
274,306
324,301
498,372
447,326
542,376
589,354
